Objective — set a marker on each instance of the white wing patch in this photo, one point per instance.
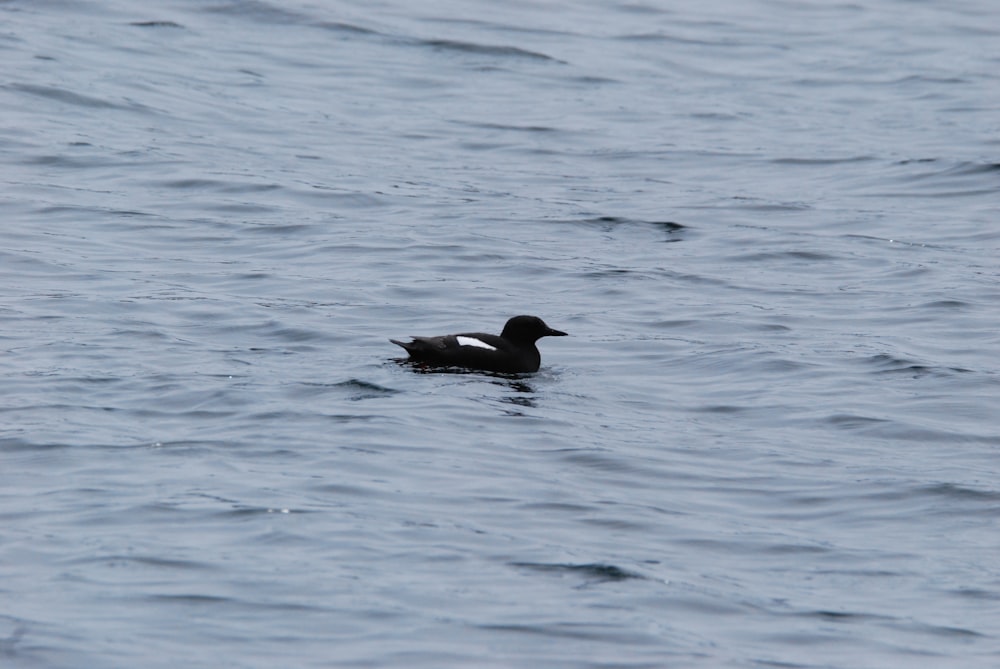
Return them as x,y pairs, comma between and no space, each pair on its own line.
472,341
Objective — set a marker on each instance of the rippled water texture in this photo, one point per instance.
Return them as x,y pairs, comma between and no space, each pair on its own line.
770,228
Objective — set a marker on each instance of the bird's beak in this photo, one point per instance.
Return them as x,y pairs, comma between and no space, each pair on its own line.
555,333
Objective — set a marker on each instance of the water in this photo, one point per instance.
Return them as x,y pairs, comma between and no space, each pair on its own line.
770,228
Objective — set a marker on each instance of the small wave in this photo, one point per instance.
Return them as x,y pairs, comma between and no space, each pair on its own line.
117,560
508,126
485,49
218,185
670,226
349,28
673,230
587,633
257,10
15,444
595,572
827,615
936,178
77,99
822,161
889,364
753,204
887,428
811,256
358,389
676,39
977,594
962,168
960,492
853,421
945,305
155,24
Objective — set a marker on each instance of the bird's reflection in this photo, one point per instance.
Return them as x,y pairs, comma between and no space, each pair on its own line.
522,392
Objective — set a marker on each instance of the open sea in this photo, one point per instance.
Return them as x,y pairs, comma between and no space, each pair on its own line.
771,228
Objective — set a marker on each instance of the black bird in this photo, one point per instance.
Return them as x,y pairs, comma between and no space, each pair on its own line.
512,352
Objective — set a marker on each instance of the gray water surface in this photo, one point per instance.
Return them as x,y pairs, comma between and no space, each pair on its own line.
771,228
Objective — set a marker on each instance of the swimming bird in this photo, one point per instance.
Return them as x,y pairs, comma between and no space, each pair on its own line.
512,352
